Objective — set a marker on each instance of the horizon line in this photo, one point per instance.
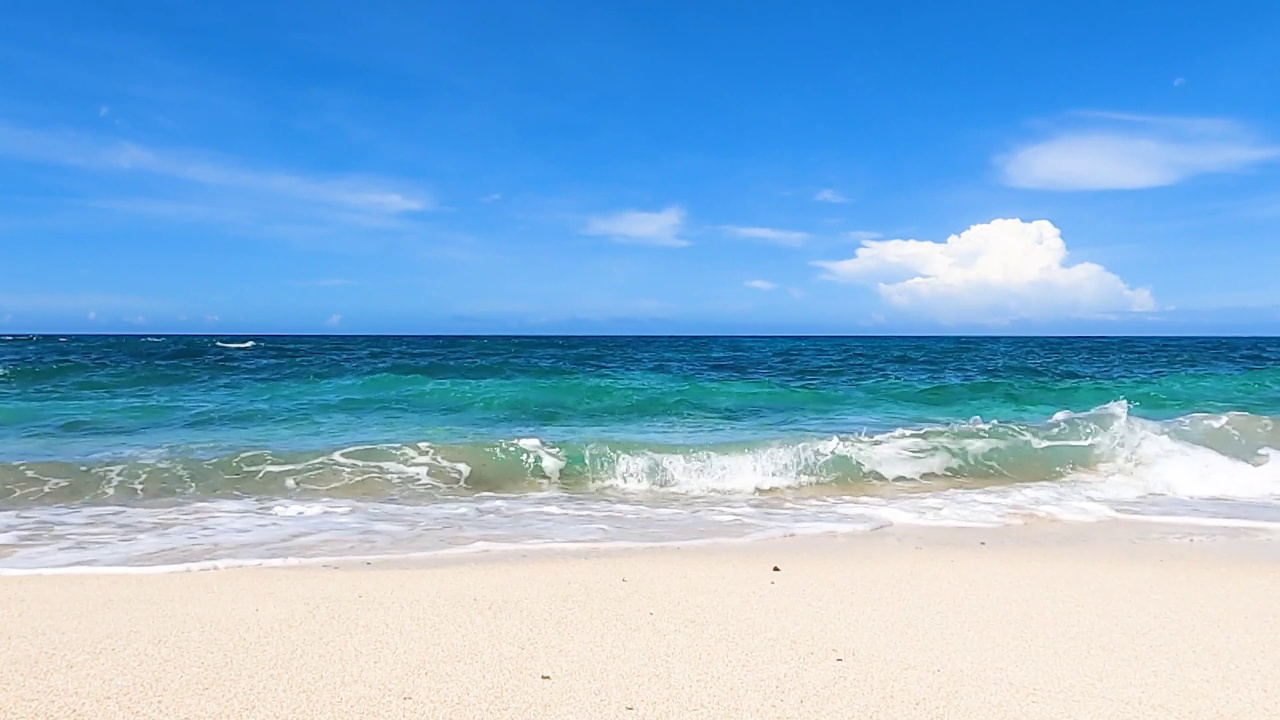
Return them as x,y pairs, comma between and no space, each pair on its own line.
32,335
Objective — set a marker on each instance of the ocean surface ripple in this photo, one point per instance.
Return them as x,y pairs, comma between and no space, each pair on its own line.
160,452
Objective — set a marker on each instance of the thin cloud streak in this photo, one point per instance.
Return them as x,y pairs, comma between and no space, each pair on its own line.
789,238
72,150
640,227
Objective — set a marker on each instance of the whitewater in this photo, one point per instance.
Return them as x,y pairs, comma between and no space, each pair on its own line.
129,455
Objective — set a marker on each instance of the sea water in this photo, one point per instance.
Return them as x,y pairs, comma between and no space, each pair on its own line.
179,451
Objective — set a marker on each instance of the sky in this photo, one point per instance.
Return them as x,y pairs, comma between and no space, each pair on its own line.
585,167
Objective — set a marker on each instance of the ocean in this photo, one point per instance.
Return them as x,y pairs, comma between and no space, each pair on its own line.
132,453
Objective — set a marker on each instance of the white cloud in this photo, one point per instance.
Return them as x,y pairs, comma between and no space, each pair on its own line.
863,235
831,196
334,320
493,197
135,320
93,315
1129,152
212,318
790,238
1179,82
992,273
639,227
202,187
103,110
760,285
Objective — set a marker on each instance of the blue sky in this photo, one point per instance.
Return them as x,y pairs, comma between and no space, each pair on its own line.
595,167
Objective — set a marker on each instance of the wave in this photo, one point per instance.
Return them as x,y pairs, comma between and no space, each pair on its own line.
161,512
236,346
1201,455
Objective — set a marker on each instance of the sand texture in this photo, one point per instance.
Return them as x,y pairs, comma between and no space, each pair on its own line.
955,624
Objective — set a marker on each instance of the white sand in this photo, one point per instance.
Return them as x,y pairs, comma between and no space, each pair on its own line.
1085,622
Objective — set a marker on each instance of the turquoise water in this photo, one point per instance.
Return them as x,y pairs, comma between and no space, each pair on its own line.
148,450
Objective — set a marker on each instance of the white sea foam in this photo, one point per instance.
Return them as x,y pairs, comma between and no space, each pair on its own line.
307,510
899,455
247,533
550,460
1207,470
236,346
1129,457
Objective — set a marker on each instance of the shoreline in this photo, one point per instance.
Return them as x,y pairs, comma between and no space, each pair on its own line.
1140,528
1043,620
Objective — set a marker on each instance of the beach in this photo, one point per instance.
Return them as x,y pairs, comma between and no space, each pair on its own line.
1052,620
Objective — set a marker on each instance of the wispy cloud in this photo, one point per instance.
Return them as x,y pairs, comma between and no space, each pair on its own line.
202,187
791,238
761,285
639,227
863,235
334,320
831,196
1121,151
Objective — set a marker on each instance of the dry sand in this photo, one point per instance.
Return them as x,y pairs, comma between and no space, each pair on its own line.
1035,623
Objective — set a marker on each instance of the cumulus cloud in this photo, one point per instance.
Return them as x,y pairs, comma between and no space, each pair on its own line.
996,272
790,238
831,196
1129,152
641,228
760,285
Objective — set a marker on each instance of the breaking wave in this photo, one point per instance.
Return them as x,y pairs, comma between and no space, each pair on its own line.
1202,455
267,507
